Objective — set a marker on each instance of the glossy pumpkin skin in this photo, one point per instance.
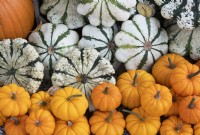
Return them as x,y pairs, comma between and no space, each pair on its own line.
131,84
156,100
175,126
197,129
106,97
14,100
101,125
143,125
2,119
40,100
182,82
73,101
16,125
76,127
162,69
189,109
40,122
17,18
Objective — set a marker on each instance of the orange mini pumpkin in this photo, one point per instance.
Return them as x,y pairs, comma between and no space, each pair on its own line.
197,129
16,125
131,84
2,119
198,63
106,97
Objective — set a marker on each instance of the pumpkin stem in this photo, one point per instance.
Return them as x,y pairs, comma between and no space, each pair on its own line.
191,105
174,99
37,123
136,114
157,96
73,96
16,121
43,103
69,123
192,75
135,80
178,128
106,91
171,65
109,118
13,96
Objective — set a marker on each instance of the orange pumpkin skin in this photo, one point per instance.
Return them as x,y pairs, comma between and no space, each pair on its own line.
102,124
131,84
175,126
197,129
162,69
14,100
40,122
198,63
156,100
17,18
189,109
73,101
143,125
16,125
106,97
2,119
76,127
40,100
183,83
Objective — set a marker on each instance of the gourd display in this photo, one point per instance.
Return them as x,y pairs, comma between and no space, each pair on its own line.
16,125
175,126
131,84
183,42
141,42
107,123
63,12
76,127
73,101
186,12
19,64
103,12
40,122
2,119
100,38
196,129
141,123
83,69
14,100
17,18
53,41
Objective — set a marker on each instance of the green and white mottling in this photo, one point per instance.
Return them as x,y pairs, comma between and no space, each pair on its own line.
63,12
105,12
83,69
141,42
19,64
53,41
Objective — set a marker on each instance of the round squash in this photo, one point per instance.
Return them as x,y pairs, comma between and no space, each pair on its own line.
2,119
16,125
68,103
175,126
106,97
138,122
197,129
40,122
17,18
14,100
131,84
189,109
156,100
162,69
107,123
79,126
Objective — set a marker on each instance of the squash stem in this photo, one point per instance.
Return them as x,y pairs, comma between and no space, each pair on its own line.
192,75
73,96
37,123
16,121
157,96
135,79
43,103
109,118
171,65
178,128
13,96
106,91
191,105
136,114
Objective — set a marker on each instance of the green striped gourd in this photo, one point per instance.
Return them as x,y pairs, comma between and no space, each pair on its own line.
83,69
100,38
53,41
141,42
105,12
19,64
63,12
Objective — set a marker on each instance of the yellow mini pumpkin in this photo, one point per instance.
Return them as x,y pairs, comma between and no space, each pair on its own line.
2,119
197,129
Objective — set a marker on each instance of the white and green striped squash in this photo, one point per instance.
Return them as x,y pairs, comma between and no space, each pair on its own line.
20,64
186,12
99,38
105,12
183,42
141,42
53,41
83,69
63,12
